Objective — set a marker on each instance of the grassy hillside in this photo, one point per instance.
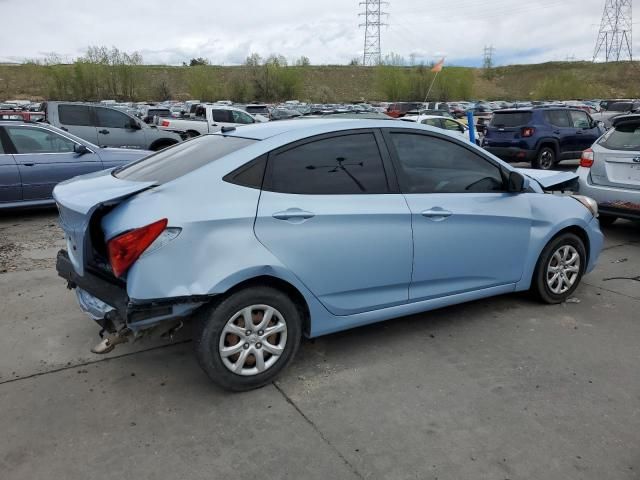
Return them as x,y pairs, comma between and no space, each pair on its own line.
557,80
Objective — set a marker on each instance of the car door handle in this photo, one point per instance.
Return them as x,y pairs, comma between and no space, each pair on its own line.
437,213
64,128
104,132
557,132
293,214
28,164
579,132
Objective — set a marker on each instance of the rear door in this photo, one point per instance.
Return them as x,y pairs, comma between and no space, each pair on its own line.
10,186
77,119
563,131
329,212
114,129
46,158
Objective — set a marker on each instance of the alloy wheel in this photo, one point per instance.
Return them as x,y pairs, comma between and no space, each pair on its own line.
253,340
546,160
563,269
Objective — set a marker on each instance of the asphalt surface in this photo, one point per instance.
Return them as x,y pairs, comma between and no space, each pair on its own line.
504,388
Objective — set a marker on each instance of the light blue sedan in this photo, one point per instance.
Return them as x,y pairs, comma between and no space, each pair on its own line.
269,232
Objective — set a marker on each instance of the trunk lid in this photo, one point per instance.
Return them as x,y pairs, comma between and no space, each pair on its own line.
616,168
79,198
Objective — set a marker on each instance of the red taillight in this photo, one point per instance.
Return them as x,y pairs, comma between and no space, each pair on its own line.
165,123
125,249
586,160
528,132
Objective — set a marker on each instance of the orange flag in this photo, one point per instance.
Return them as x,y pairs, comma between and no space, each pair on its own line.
438,66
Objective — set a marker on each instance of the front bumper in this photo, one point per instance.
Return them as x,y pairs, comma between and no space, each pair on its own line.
511,154
105,300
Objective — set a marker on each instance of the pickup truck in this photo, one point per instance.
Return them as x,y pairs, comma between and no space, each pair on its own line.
207,119
107,127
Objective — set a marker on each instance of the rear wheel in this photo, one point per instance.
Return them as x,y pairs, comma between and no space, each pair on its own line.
248,338
559,268
546,159
607,220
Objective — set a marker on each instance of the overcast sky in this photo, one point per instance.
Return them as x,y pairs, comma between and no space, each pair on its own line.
326,31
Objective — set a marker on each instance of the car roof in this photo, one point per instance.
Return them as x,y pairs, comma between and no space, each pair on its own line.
622,119
310,127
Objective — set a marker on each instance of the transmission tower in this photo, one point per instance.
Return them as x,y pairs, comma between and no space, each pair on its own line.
615,35
372,22
488,57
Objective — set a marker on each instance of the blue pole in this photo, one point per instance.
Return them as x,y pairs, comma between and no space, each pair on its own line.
472,127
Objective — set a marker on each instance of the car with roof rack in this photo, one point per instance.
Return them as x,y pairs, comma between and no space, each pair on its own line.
542,135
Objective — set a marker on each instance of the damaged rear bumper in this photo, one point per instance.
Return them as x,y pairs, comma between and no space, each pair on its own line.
105,300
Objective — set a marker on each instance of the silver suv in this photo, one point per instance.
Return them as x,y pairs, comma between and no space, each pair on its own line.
107,126
610,171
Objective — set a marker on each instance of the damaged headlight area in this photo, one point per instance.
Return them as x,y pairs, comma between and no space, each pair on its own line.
588,202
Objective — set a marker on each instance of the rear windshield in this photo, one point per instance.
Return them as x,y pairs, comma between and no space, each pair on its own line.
185,157
510,119
620,107
623,137
159,112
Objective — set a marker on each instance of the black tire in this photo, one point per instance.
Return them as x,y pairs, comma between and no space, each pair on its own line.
209,325
545,159
539,285
607,220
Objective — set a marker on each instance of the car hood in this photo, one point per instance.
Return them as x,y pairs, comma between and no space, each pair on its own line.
549,179
122,154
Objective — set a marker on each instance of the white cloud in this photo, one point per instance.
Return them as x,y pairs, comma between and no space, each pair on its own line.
225,32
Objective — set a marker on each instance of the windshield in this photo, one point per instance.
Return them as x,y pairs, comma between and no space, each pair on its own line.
185,157
510,119
623,137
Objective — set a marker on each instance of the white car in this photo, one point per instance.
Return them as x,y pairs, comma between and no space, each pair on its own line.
208,119
445,123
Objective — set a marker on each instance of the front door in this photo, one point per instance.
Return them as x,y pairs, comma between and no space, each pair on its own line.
45,158
328,214
114,130
586,132
468,233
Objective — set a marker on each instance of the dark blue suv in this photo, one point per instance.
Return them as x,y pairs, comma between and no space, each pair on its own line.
542,136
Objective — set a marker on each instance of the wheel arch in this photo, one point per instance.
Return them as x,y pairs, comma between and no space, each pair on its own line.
549,142
284,286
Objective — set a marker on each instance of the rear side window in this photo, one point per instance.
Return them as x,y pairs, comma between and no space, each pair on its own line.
558,118
348,164
510,119
623,137
185,157
74,115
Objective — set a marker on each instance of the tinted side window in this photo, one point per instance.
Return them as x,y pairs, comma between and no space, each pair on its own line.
36,140
558,118
433,165
249,175
349,164
111,118
222,116
74,115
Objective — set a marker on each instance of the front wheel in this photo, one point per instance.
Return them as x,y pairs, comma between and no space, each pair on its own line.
546,159
559,269
248,338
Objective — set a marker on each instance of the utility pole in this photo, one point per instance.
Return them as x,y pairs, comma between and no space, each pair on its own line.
488,57
372,22
616,32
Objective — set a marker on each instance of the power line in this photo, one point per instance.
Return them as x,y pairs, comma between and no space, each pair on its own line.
616,32
373,21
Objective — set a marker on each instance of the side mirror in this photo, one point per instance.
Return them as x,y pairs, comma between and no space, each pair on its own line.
80,149
133,125
516,182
